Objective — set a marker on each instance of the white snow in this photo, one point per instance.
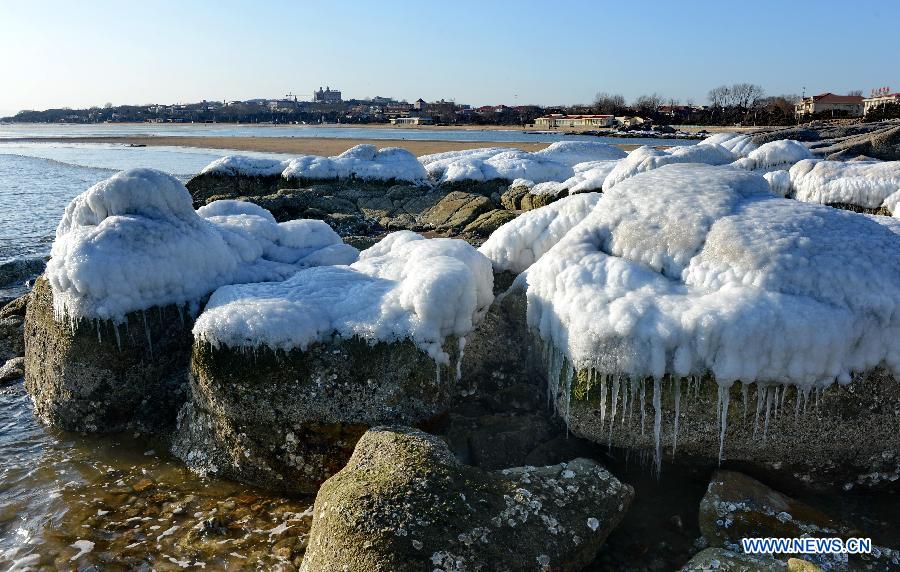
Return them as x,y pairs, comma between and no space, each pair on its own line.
589,176
892,204
234,165
691,269
364,162
404,287
779,182
738,143
519,243
134,241
648,158
779,154
862,183
555,163
573,152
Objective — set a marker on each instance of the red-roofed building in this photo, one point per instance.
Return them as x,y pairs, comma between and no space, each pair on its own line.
845,105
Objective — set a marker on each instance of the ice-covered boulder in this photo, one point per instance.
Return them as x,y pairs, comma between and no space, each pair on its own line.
286,376
518,244
775,155
404,503
555,163
108,332
364,162
691,272
856,185
648,158
741,144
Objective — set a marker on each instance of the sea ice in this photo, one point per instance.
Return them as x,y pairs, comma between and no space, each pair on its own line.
134,241
404,287
364,162
648,158
740,144
861,183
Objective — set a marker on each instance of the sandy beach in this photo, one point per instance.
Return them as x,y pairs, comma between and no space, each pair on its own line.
295,146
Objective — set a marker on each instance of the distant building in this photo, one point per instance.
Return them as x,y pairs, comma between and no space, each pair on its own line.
879,98
851,105
420,104
561,120
327,95
412,120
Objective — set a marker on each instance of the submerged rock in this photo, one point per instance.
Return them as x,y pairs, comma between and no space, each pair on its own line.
719,559
288,421
403,502
737,506
12,370
97,376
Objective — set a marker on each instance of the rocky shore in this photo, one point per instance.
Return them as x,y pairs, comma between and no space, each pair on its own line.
694,310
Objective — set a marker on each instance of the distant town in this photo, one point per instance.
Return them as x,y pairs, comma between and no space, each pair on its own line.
737,104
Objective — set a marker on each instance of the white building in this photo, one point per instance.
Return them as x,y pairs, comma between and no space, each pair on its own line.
572,121
412,120
880,98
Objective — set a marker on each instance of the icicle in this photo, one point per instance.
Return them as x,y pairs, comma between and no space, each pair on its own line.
603,378
118,339
797,403
643,411
459,359
775,403
768,408
657,425
613,405
570,373
677,414
724,398
437,374
147,332
626,389
759,406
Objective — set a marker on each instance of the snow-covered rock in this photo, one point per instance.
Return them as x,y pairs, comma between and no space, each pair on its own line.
134,241
589,176
241,165
741,144
863,184
688,271
781,154
404,287
519,243
648,158
365,162
555,163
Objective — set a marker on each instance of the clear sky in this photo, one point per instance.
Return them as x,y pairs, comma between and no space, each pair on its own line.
79,54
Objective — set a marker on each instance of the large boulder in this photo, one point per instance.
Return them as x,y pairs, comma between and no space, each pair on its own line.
288,420
882,144
455,211
101,376
404,503
488,222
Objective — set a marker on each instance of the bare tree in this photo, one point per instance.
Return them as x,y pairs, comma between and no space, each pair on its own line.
719,96
648,102
107,105
608,103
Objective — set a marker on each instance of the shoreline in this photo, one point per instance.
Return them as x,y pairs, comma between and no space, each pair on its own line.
324,146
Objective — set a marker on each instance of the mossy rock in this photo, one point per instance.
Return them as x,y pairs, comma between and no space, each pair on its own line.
286,421
404,503
206,185
96,376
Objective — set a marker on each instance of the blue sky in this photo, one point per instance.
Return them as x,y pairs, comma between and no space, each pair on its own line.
79,54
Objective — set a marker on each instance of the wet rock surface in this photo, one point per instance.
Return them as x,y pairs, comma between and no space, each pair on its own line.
289,421
403,502
720,559
100,377
12,328
12,370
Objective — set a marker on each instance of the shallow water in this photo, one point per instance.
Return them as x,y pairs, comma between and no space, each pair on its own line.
70,501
